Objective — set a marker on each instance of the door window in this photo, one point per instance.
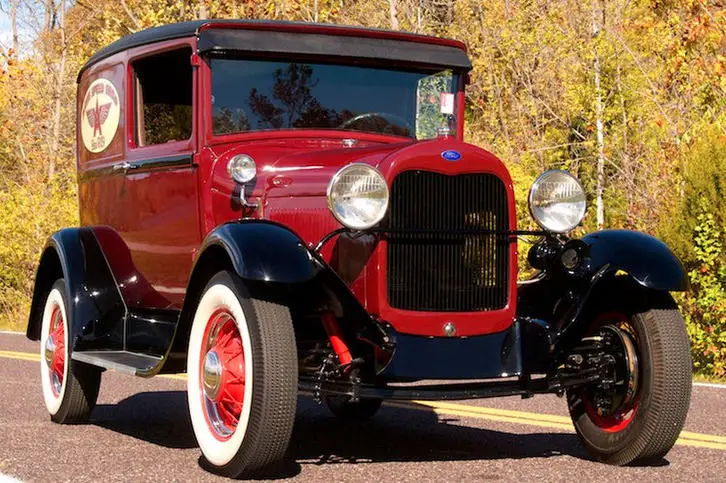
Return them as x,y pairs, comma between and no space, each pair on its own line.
163,97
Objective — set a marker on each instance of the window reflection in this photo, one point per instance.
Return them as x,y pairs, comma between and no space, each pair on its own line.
250,95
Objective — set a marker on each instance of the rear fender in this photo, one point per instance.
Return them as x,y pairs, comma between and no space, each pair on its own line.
95,309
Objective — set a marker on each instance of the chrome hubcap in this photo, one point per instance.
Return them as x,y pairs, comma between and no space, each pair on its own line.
49,351
211,375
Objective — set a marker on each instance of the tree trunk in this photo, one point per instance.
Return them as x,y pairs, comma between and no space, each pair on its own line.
626,165
600,186
58,92
203,12
132,17
14,23
393,14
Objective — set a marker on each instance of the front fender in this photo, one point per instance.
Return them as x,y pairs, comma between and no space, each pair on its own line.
263,251
282,268
646,259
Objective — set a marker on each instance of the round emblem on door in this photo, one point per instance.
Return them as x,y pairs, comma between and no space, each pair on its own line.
99,116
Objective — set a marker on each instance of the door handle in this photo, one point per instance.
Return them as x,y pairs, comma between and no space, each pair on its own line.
124,167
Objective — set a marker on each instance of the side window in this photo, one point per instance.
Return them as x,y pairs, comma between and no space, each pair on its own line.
163,97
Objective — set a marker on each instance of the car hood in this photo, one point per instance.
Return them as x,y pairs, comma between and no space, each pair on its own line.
304,167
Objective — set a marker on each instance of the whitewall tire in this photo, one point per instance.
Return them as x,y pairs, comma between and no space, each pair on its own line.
242,378
53,351
70,388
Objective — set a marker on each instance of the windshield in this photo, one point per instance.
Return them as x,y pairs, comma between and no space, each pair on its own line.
254,95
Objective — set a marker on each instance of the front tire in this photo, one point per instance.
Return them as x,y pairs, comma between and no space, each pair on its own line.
242,384
70,388
644,424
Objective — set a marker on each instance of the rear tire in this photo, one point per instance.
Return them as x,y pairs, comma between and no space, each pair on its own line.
70,388
345,410
242,384
648,428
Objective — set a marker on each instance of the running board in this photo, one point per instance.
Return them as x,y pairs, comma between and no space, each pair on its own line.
122,361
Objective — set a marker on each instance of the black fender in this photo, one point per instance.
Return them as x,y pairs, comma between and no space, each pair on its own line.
277,264
556,307
95,308
646,259
263,251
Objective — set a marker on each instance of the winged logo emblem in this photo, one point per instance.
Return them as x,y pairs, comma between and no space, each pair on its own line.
97,116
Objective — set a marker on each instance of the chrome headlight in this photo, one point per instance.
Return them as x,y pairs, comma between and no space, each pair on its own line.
358,196
242,168
557,201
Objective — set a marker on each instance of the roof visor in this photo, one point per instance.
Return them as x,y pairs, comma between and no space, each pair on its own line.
225,40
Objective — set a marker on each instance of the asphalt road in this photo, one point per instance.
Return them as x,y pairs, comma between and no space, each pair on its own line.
141,431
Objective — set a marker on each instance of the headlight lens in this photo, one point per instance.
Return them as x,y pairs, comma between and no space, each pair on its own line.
358,196
557,201
242,168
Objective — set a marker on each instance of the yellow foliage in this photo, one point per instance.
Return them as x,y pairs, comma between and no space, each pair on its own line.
29,213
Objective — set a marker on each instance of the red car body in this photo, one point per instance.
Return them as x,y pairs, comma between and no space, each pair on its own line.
289,191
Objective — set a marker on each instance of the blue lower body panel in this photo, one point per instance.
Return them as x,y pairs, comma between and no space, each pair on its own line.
480,357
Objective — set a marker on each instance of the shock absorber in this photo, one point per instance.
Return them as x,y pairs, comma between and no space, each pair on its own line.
332,328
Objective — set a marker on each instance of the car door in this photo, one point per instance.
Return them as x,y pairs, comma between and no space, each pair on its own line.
157,200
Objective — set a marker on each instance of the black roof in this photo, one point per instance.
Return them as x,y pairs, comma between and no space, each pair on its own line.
285,40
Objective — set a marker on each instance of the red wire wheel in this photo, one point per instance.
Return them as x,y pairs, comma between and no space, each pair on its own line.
222,367
55,351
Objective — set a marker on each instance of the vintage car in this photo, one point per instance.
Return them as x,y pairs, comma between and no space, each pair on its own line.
276,208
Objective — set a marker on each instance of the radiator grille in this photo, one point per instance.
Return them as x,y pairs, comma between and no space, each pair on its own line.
444,267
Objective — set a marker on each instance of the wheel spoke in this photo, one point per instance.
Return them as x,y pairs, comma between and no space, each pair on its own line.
229,414
56,366
58,333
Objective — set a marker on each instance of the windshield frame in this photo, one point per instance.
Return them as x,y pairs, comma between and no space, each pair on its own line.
458,84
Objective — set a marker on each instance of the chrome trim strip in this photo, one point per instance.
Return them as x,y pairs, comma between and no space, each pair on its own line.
140,166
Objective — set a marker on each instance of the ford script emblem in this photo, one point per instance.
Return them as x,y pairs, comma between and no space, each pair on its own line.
451,155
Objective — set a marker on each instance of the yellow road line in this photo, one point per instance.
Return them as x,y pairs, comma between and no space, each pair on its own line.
443,408
546,421
464,411
551,418
181,377
700,444
703,437
26,356
29,356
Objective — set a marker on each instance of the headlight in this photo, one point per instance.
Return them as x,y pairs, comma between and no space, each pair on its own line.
557,201
242,168
358,196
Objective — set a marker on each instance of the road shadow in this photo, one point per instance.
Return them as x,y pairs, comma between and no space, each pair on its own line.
161,418
395,435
